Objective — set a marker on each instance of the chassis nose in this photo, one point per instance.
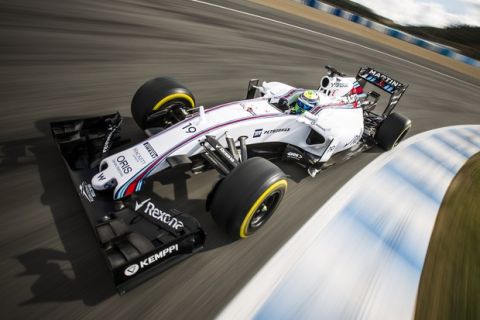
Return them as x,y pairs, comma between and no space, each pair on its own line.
103,181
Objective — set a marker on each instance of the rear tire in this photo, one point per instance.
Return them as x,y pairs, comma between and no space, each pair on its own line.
156,97
246,198
392,130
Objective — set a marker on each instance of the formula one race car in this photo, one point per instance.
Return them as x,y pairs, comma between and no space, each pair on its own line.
314,128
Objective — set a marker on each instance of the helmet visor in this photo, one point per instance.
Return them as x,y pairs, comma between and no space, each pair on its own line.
305,105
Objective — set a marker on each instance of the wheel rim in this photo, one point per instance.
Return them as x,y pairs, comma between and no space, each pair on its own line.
264,210
401,136
163,118
274,194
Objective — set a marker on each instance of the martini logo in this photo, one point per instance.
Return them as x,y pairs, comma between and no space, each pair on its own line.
382,79
130,271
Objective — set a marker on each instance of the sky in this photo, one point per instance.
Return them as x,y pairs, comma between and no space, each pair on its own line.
437,13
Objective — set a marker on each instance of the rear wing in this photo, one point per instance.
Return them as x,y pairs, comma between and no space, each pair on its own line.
395,88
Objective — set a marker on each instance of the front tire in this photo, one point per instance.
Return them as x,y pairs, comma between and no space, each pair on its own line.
392,130
161,101
246,198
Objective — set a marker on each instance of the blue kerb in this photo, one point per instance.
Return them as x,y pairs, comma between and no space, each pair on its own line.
312,3
452,146
394,33
391,240
468,60
422,43
414,181
466,138
445,51
432,157
475,132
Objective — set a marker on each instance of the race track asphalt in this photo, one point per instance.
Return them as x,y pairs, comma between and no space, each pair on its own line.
85,57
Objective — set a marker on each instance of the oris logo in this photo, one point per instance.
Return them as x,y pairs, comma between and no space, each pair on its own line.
124,164
130,271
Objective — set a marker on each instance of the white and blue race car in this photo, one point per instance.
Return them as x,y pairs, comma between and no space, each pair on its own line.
315,128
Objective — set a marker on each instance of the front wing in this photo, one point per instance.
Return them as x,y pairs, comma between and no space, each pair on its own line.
138,236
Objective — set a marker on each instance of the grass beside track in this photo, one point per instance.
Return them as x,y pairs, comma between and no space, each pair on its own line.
450,281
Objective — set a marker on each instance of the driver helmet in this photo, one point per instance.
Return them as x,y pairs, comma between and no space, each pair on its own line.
307,100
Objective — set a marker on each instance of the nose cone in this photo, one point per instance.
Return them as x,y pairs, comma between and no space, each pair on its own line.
102,181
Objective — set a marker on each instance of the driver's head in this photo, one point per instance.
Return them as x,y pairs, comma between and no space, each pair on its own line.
307,100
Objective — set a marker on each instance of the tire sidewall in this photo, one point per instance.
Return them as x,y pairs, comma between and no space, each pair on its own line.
392,130
239,191
151,93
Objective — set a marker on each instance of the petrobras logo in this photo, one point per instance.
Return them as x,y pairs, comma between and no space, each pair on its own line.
150,150
276,130
134,268
149,208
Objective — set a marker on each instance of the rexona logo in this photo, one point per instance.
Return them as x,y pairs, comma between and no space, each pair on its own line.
132,269
149,208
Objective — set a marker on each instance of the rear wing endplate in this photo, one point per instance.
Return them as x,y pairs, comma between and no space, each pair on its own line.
395,88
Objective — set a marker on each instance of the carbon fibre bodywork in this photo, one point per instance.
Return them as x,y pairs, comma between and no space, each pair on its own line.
138,236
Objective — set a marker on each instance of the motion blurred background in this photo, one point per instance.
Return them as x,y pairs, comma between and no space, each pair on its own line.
61,59
455,23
